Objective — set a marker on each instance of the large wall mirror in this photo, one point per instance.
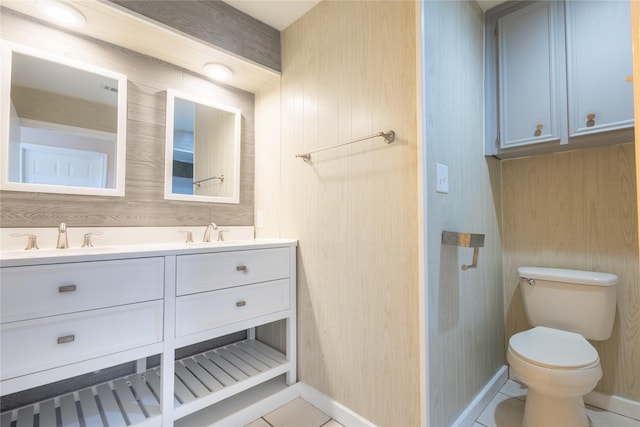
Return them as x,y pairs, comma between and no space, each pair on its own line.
63,125
203,150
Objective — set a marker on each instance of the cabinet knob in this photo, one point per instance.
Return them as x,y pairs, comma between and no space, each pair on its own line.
66,339
538,131
590,120
241,303
241,268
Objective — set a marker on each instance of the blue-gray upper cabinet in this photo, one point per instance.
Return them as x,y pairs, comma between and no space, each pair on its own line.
556,76
531,75
598,62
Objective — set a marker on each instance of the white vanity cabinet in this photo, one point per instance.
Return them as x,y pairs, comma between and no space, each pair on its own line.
236,286
71,315
56,315
557,76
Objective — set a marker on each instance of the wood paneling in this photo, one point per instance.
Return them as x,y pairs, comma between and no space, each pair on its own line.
349,71
143,204
217,23
635,35
464,308
578,210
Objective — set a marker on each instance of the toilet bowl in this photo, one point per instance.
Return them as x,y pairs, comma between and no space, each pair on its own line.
554,359
559,368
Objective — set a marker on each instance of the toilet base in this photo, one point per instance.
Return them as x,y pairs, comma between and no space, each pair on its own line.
548,411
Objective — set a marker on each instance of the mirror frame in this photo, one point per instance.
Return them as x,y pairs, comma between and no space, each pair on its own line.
6,54
168,194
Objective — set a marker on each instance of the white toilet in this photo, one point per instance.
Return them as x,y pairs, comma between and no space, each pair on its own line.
554,359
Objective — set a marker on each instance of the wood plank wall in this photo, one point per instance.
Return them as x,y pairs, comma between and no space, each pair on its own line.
349,71
635,35
143,204
465,327
216,23
578,210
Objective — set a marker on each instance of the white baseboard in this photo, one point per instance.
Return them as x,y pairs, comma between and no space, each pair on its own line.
617,404
335,410
482,400
347,417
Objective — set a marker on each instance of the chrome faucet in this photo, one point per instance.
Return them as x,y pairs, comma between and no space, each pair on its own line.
63,242
207,232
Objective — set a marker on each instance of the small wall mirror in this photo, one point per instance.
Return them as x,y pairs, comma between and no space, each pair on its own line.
63,125
202,160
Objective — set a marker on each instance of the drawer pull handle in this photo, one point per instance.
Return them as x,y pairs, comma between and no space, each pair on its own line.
241,268
66,339
67,288
241,303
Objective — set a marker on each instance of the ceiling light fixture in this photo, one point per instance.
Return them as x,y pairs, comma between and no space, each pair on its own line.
63,13
218,71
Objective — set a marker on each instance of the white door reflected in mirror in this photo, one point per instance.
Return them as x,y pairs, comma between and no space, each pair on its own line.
63,125
203,150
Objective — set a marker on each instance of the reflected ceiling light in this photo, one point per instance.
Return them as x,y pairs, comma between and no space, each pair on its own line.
63,13
218,71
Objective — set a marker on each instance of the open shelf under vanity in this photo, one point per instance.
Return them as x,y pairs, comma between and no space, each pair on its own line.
200,381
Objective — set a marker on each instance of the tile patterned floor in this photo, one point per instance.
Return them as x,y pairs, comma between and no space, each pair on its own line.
298,413
505,410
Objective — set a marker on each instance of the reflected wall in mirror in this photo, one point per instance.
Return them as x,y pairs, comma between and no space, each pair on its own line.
203,150
63,125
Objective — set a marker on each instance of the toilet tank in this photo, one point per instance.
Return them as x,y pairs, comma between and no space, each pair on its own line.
583,302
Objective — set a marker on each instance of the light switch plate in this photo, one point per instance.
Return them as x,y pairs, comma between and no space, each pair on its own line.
442,178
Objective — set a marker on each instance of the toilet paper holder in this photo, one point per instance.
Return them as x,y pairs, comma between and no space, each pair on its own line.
466,240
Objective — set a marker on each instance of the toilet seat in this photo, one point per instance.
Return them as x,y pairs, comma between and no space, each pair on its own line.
553,348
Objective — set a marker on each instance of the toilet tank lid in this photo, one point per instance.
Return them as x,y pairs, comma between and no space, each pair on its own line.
569,276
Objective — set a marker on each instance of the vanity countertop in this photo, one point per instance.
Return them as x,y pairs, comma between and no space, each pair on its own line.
111,248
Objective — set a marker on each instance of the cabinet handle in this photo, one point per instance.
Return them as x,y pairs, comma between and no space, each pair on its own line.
538,131
66,339
590,120
67,288
241,268
241,303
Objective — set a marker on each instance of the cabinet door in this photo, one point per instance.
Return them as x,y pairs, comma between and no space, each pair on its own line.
598,62
531,75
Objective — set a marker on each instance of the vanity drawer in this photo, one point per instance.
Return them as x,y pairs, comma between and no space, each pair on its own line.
47,290
35,345
196,313
207,272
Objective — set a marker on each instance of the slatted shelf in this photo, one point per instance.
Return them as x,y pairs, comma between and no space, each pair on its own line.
199,381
